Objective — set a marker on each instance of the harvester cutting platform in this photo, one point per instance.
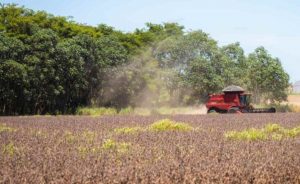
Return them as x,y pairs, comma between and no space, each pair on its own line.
233,100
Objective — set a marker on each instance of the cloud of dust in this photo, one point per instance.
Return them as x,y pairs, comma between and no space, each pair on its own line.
142,82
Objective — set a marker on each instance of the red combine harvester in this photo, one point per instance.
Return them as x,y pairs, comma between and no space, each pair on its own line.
233,100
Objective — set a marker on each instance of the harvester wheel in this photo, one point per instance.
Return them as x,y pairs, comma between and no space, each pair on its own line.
211,111
233,110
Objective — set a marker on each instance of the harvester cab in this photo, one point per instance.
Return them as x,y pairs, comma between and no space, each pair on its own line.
233,100
245,99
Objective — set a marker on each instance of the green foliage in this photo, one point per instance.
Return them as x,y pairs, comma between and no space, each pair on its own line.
136,111
69,137
292,132
83,151
236,65
86,150
123,147
96,111
161,125
270,128
267,77
269,132
126,111
110,144
5,128
89,136
53,65
167,125
9,149
249,134
277,137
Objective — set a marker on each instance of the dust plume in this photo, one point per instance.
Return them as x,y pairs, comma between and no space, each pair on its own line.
146,81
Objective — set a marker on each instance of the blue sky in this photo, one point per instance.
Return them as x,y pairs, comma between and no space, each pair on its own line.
274,24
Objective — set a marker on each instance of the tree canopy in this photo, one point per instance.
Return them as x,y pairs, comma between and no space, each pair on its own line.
51,64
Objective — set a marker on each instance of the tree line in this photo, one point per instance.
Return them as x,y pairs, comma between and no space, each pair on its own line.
51,64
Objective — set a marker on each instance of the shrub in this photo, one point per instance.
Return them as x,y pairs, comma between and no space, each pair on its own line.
126,111
123,147
269,128
250,134
292,132
69,137
166,124
85,150
277,137
5,128
270,131
96,111
110,144
9,149
161,125
89,136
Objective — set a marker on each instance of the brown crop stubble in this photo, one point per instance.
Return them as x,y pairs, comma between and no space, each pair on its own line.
44,153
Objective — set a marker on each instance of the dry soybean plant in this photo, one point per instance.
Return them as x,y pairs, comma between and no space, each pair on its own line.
154,149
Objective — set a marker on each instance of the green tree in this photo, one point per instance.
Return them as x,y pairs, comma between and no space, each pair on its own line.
51,64
13,82
42,67
72,80
187,55
235,64
13,76
268,80
203,79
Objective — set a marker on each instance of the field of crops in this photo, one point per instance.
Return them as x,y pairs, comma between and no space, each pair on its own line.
248,148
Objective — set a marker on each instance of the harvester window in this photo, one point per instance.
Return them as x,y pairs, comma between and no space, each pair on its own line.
245,100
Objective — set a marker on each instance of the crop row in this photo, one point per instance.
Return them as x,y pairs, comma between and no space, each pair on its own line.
248,148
